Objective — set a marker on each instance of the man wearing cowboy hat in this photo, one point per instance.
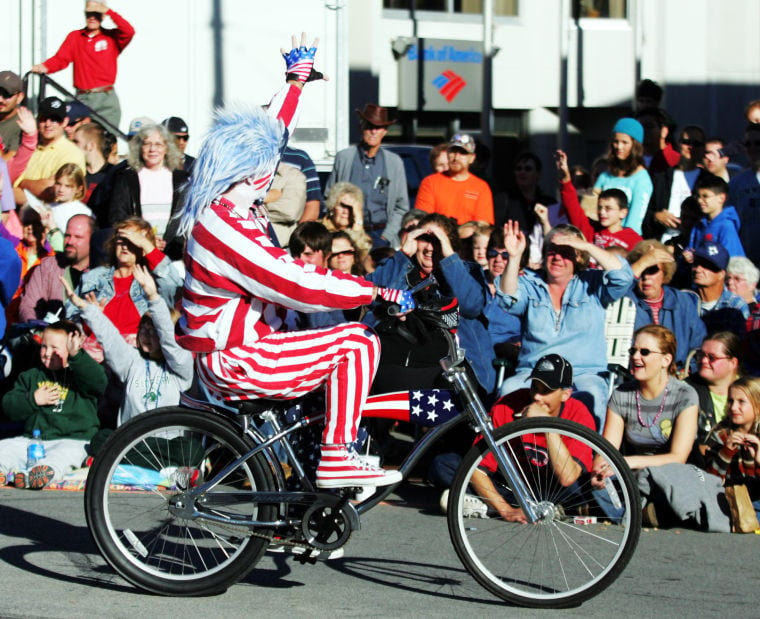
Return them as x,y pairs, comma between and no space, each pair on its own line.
379,173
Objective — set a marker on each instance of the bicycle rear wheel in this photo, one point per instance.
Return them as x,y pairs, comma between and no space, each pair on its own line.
574,550
133,503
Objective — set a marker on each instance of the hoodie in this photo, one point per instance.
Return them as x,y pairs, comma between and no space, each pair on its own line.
724,229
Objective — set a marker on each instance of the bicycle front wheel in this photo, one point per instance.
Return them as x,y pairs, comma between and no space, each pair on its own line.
575,548
139,518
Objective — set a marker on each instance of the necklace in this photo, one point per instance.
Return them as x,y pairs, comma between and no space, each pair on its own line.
659,411
152,387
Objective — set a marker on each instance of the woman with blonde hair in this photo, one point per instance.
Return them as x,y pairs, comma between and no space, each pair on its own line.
345,212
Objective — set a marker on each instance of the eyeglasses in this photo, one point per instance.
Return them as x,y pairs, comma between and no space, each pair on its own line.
700,355
345,252
688,142
183,138
153,145
492,253
644,352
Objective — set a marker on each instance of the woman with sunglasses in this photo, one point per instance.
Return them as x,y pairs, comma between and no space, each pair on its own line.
345,213
562,308
652,419
660,304
718,362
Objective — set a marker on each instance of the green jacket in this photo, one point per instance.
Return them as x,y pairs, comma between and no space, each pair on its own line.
82,382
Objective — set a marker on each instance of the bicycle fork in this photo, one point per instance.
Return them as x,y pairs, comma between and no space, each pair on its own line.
457,375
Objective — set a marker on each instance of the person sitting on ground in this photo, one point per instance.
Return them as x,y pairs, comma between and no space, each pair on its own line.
733,447
158,369
611,207
550,395
718,365
59,399
652,418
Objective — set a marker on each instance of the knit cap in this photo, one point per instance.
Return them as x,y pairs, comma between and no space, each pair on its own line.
631,127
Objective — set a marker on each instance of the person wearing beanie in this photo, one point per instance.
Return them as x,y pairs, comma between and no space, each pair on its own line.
626,171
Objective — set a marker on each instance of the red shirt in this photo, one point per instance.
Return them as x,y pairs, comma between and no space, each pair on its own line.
503,411
95,57
626,238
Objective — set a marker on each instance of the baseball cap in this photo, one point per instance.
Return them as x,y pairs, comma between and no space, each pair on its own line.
463,141
11,83
553,371
714,253
52,107
76,111
138,123
175,124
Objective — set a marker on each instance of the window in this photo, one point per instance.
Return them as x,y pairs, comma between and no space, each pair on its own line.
472,7
614,9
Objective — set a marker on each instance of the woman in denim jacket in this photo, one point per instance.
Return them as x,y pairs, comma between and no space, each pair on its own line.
562,309
115,288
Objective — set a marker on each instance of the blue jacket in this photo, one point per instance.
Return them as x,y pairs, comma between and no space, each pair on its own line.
577,332
724,229
679,313
460,279
10,278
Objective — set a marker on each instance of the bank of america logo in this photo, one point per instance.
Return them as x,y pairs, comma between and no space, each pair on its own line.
449,84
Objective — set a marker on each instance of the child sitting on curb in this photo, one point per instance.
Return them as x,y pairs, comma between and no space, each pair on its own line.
157,370
59,399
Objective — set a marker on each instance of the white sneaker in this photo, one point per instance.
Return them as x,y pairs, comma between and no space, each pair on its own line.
341,468
323,555
473,507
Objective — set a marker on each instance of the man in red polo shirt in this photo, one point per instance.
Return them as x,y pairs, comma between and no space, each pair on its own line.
94,51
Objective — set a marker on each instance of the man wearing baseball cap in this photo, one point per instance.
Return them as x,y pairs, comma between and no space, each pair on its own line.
178,128
550,395
719,308
379,173
53,150
455,192
11,96
94,51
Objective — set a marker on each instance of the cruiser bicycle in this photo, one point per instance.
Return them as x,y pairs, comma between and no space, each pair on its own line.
184,501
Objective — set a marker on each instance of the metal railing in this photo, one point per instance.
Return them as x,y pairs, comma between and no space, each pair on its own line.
45,81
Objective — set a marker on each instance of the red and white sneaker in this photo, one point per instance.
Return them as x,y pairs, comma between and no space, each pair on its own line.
341,468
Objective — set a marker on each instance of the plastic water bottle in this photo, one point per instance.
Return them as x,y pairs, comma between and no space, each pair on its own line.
35,452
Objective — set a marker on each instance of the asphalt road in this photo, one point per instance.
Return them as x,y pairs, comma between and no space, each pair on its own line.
400,564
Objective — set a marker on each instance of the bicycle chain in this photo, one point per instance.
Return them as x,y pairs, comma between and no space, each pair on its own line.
270,538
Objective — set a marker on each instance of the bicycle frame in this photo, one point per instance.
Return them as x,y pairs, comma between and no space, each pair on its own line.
473,411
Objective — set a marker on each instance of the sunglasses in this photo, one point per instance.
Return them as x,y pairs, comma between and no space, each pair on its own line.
708,266
701,355
752,143
688,142
653,270
528,168
345,252
94,14
183,138
492,253
644,352
348,206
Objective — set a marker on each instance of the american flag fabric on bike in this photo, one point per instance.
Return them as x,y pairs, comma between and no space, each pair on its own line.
426,407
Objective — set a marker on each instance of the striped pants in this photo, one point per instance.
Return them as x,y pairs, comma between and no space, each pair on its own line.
344,358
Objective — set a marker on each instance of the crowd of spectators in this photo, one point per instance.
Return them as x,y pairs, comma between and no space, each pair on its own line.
92,263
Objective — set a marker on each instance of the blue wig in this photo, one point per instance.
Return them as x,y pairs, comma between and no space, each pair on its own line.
243,142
